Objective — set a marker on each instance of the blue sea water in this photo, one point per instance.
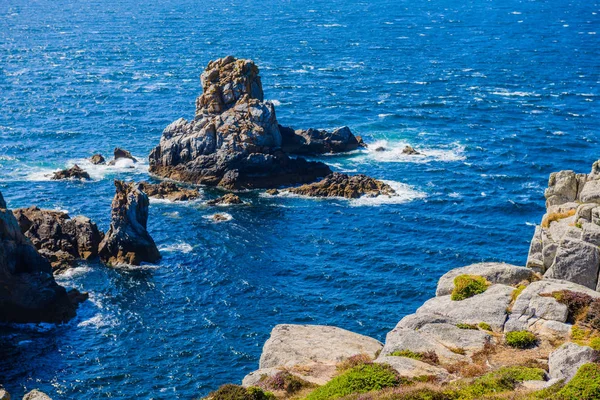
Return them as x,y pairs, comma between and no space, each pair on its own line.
496,94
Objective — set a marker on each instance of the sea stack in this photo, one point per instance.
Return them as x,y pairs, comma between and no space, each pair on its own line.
234,140
31,294
127,240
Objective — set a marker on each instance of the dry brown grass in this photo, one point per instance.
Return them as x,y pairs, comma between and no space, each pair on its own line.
553,217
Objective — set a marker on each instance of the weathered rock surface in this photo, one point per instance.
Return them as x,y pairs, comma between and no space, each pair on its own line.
36,395
409,368
97,159
342,185
566,360
292,345
494,272
169,191
59,238
234,141
121,153
30,293
565,245
127,240
75,172
4,395
314,141
537,311
228,199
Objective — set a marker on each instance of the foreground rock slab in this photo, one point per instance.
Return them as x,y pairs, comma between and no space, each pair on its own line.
59,238
342,185
169,191
128,241
234,141
33,295
566,360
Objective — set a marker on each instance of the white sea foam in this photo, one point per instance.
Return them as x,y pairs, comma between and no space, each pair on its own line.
393,153
276,103
404,194
99,321
179,247
73,272
507,93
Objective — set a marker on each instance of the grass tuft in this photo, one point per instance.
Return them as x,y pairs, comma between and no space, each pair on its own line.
466,286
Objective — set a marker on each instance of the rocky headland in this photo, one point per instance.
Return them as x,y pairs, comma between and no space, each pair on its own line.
235,141
492,331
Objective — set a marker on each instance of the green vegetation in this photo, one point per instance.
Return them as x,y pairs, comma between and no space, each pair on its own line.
595,343
353,361
466,286
466,326
502,380
585,385
520,339
361,379
485,326
429,357
515,294
235,392
284,381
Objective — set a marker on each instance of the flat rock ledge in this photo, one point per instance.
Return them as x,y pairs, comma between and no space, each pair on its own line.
169,191
342,185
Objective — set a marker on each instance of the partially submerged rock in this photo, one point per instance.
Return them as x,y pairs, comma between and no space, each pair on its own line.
120,154
127,241
234,141
342,185
31,294
272,192
36,395
75,172
169,191
409,150
59,238
314,141
228,199
97,159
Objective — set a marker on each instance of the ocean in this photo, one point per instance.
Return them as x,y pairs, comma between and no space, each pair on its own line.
496,95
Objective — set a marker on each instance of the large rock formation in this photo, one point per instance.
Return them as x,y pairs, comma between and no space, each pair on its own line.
565,245
314,141
342,185
75,172
127,240
58,237
234,140
29,292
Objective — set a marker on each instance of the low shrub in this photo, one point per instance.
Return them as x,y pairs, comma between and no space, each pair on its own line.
236,392
485,326
592,315
457,350
502,380
515,294
579,334
585,385
429,357
360,379
466,286
520,339
576,303
354,361
595,343
284,381
552,217
466,326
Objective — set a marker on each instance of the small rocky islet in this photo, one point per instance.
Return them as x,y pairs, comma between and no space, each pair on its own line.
493,330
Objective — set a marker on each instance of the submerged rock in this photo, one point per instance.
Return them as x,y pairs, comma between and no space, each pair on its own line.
58,237
121,153
127,240
234,141
228,199
36,395
220,217
314,141
169,191
97,159
342,185
75,172
31,294
410,151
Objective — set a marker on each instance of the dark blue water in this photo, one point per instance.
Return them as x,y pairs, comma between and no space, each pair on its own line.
496,94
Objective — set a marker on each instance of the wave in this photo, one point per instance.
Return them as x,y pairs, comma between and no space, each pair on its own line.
99,321
404,194
179,247
213,217
73,272
507,93
393,152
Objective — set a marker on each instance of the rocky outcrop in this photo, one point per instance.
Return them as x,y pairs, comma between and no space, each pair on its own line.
122,154
342,185
75,172
97,159
314,141
505,274
409,150
169,191
566,360
317,349
565,244
127,240
234,141
4,395
228,199
59,238
30,293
